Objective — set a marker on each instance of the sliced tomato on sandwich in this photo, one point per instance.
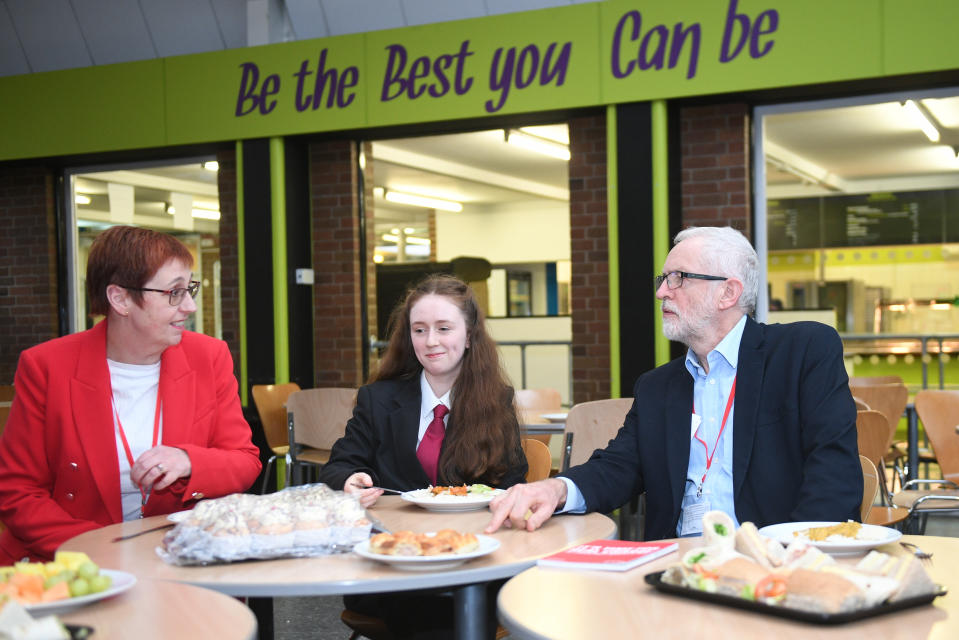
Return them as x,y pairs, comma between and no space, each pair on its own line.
772,586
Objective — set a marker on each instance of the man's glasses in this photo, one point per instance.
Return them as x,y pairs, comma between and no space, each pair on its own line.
674,279
176,295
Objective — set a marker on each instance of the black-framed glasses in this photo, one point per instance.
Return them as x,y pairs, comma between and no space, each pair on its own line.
674,279
176,295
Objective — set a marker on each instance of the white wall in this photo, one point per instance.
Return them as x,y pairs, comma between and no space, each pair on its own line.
521,232
546,366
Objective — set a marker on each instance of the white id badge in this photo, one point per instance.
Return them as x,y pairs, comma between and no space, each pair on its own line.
693,517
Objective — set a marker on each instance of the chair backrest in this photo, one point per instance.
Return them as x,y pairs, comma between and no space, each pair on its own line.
270,401
319,415
888,398
593,424
539,459
939,412
532,402
874,435
864,380
860,404
870,486
6,401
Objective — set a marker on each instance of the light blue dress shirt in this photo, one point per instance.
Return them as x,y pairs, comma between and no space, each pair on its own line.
710,395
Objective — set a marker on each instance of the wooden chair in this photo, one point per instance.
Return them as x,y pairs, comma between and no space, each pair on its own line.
861,381
590,426
860,404
870,486
874,437
939,412
532,402
270,401
539,459
6,401
316,419
890,399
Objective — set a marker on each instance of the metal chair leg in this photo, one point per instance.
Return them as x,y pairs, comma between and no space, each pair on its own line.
266,474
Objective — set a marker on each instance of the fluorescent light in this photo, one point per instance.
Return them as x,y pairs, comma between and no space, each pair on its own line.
205,214
422,201
211,165
922,119
82,199
389,237
537,144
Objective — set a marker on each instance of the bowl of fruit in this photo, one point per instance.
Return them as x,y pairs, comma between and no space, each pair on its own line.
70,580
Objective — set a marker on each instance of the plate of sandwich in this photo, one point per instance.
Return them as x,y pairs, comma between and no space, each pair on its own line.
833,537
432,551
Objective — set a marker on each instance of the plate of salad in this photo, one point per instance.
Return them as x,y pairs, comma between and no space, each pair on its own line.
455,498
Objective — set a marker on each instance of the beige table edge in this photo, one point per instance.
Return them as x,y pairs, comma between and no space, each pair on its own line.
560,604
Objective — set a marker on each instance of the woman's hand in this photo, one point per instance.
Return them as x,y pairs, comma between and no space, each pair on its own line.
160,467
355,487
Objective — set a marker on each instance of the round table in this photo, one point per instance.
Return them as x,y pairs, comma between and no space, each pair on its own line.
561,603
348,573
162,610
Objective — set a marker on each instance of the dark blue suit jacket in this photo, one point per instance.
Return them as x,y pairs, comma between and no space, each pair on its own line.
795,451
381,438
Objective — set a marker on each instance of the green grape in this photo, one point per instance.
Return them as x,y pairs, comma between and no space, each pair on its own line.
79,587
87,570
100,583
52,580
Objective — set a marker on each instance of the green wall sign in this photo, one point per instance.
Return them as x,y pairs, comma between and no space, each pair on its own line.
585,54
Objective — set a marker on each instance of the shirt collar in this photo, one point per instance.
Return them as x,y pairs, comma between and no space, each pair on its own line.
728,349
429,399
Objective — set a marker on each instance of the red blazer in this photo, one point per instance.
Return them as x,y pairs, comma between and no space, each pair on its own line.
59,470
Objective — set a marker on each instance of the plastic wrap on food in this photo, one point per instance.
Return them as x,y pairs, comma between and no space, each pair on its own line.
308,520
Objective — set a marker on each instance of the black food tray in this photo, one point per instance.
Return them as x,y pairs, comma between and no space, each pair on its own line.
655,580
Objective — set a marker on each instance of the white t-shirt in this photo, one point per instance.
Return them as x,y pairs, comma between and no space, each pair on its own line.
135,389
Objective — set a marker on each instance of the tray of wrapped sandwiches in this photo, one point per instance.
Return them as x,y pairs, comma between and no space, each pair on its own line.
742,569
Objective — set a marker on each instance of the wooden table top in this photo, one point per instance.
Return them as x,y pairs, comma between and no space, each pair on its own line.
558,604
162,610
345,573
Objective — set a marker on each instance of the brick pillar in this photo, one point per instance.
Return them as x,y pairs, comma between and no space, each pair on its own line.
28,264
229,259
590,258
715,166
337,299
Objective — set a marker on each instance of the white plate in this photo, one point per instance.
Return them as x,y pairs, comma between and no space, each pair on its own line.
121,582
487,545
870,536
555,417
424,498
179,516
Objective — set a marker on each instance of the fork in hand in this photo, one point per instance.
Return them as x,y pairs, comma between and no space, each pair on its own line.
916,551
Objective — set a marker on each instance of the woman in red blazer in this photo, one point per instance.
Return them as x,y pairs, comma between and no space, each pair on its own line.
134,417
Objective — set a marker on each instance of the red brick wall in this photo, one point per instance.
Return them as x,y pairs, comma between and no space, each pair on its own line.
28,264
715,166
229,260
590,258
338,339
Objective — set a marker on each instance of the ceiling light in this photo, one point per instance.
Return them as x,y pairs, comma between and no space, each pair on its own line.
922,119
82,199
537,144
409,230
377,258
389,237
211,165
205,214
556,133
422,201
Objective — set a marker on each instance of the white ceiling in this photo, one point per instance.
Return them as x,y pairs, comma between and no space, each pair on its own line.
835,148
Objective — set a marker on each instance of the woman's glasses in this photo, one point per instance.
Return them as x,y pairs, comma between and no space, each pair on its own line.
176,295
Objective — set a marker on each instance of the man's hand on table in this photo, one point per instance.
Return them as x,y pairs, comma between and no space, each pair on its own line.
527,505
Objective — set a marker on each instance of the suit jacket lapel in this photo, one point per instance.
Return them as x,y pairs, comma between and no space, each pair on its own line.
749,382
679,404
405,426
91,401
178,395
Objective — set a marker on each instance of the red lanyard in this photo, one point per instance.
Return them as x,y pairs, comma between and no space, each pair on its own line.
126,445
722,427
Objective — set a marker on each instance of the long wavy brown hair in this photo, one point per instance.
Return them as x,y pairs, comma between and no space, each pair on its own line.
482,438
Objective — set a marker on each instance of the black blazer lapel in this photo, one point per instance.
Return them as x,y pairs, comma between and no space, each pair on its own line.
404,423
679,406
750,372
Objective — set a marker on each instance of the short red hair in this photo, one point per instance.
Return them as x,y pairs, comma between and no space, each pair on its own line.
129,257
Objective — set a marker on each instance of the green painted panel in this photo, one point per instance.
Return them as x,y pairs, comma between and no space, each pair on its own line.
660,50
266,91
920,34
82,110
512,63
